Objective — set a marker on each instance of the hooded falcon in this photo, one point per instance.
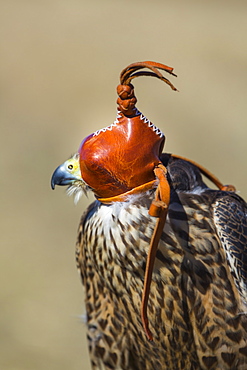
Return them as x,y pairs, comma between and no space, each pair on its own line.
161,255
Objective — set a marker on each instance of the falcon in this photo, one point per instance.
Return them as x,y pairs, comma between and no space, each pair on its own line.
162,256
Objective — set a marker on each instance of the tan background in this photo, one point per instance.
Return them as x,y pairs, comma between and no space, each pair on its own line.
60,62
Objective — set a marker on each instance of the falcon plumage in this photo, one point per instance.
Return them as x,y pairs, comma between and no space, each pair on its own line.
197,305
197,302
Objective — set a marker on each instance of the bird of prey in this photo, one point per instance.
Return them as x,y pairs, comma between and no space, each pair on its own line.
162,257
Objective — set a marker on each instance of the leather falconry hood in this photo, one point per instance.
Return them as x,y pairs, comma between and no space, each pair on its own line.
122,156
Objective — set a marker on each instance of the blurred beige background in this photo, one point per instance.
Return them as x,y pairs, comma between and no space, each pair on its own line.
60,64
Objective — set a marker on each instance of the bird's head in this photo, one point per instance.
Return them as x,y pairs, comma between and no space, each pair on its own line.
69,174
121,157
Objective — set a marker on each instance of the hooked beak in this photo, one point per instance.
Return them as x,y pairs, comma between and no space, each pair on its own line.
62,177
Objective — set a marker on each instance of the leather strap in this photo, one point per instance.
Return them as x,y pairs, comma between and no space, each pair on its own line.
158,208
124,196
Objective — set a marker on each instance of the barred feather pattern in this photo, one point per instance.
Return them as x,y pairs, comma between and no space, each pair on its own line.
197,313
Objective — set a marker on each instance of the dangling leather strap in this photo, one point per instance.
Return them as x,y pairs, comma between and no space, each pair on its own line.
158,208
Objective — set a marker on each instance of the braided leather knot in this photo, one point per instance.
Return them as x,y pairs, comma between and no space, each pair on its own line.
127,100
125,91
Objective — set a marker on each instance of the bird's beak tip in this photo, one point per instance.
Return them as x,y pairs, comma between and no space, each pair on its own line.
56,177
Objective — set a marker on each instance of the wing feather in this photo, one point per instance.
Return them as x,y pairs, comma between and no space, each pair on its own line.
230,215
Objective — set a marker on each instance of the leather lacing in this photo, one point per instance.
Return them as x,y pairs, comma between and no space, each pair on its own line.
127,100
